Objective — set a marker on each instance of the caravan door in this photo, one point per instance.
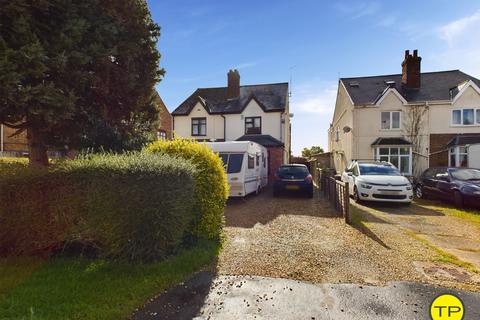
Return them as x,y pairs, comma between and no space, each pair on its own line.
251,173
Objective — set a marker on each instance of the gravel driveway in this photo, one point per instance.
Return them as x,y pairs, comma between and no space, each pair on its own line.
303,239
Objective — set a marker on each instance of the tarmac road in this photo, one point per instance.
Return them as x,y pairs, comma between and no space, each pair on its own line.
207,296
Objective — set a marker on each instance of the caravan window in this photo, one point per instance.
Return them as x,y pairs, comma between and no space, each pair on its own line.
235,163
232,162
251,162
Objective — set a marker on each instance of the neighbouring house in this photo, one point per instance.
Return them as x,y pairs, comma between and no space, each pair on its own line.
166,120
16,145
258,113
413,119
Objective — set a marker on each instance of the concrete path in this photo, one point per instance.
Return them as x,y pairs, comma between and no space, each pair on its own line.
207,296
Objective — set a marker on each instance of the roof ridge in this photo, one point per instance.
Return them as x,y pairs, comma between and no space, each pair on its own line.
399,74
246,85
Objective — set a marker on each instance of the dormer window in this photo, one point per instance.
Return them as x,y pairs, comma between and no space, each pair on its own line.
253,125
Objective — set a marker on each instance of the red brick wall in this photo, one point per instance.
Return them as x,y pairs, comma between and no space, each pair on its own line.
275,160
438,148
165,118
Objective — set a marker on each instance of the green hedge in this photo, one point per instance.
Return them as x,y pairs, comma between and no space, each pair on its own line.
135,206
211,187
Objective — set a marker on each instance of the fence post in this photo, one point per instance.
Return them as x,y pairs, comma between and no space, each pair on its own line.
346,199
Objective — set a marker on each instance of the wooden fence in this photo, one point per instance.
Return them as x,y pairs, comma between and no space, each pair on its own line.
337,193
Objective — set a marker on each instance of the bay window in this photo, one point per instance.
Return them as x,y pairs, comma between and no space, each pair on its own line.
400,157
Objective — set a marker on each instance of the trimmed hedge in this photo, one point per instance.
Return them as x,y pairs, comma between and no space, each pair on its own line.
136,206
211,187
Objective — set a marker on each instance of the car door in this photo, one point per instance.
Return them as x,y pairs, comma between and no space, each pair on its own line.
429,182
444,184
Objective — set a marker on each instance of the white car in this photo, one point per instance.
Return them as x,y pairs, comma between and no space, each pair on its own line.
377,181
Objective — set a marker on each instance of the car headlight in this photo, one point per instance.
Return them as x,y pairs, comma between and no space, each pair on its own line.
366,186
409,187
477,193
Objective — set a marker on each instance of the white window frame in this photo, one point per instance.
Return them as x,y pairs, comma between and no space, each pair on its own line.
457,154
391,120
376,155
476,122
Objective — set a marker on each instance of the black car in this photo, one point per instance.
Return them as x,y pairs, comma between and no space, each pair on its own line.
461,185
293,178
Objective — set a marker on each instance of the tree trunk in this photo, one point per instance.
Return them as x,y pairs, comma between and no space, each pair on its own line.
36,148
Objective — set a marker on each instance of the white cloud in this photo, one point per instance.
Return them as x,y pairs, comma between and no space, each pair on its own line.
313,104
452,30
359,10
316,97
462,49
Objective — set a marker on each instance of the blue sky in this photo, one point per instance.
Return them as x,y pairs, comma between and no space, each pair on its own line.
314,41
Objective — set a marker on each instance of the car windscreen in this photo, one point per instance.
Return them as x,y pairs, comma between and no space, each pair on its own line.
378,170
232,161
295,171
465,174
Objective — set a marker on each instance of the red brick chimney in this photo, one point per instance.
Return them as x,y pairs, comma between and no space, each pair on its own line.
411,70
233,90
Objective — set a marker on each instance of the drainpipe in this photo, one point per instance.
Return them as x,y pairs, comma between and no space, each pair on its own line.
224,128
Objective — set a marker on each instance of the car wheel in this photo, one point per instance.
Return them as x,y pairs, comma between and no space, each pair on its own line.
310,194
275,193
258,191
356,197
419,192
458,199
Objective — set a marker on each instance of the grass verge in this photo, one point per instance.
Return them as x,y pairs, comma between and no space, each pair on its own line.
469,215
442,255
91,289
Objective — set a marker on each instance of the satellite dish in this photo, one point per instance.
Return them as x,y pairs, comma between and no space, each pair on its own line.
290,115
347,129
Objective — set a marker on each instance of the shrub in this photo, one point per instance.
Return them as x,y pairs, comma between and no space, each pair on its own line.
211,187
135,206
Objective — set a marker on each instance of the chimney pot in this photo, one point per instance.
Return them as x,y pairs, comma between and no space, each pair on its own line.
407,53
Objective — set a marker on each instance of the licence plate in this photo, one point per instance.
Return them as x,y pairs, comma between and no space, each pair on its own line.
292,187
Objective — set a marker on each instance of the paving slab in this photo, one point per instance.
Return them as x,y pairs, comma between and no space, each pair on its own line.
207,296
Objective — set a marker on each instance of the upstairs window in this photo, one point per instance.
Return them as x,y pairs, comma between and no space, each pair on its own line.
390,120
253,125
465,117
199,126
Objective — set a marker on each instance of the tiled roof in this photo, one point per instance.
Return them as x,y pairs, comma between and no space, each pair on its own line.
265,140
434,86
270,97
462,140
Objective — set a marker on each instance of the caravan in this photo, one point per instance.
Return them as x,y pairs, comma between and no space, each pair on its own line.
246,164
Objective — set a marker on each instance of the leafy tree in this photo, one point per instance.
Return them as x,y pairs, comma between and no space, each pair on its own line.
78,73
308,152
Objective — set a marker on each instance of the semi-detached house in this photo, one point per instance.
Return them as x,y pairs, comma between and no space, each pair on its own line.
258,113
414,120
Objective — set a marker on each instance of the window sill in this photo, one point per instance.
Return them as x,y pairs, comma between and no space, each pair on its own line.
390,130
